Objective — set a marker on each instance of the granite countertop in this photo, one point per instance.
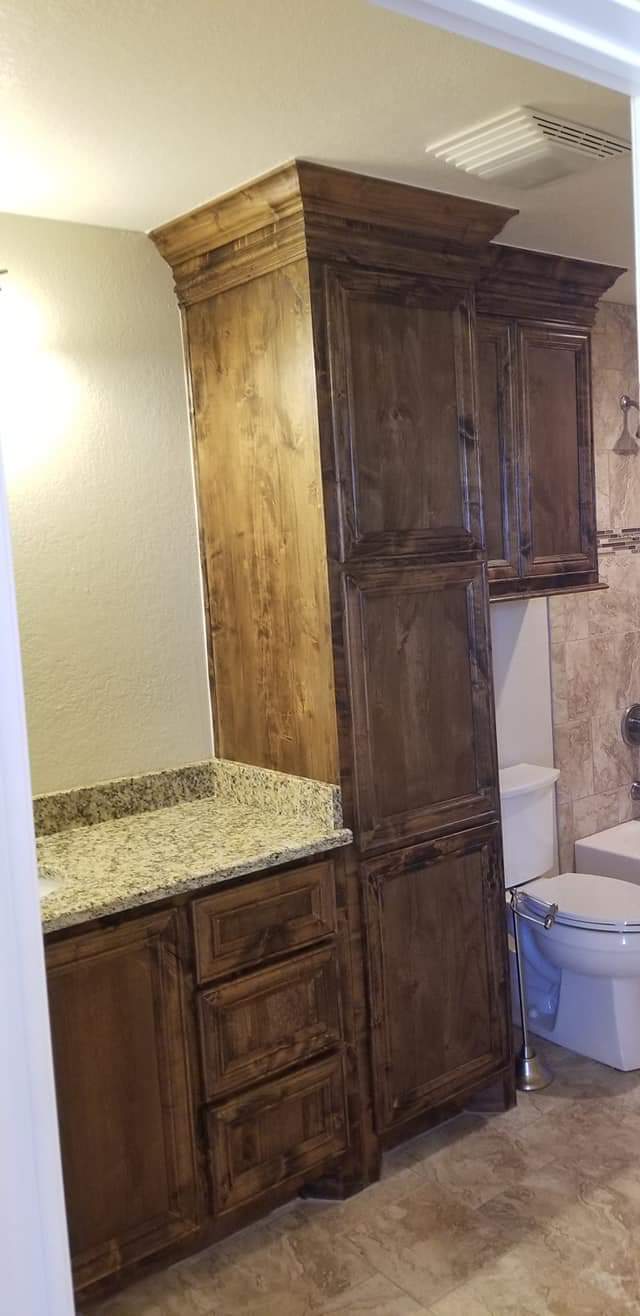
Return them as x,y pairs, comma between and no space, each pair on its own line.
129,843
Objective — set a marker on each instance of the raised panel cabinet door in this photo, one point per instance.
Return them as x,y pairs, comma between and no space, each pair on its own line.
119,1036
557,491
497,420
438,972
403,404
421,701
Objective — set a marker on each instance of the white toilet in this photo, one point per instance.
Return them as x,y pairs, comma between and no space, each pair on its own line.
583,973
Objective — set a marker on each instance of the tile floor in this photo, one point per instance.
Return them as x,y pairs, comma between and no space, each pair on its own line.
534,1211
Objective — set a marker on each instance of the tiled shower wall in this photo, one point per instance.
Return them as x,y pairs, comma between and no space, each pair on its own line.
595,637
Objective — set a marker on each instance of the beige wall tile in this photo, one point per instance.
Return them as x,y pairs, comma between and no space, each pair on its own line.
574,758
603,674
579,682
594,813
624,489
614,763
603,505
566,835
568,617
618,607
608,385
558,653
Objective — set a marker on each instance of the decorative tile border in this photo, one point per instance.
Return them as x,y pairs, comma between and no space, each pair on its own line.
614,541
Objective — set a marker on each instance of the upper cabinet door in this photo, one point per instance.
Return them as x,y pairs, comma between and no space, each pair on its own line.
421,701
557,498
496,359
400,351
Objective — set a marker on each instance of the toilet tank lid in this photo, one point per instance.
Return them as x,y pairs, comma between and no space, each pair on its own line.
525,777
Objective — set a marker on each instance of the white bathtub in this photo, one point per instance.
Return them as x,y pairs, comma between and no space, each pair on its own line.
612,853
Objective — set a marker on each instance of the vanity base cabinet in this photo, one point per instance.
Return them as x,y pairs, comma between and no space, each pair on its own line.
200,1068
120,1035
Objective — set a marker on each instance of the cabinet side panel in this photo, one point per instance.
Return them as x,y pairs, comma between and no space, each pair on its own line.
260,494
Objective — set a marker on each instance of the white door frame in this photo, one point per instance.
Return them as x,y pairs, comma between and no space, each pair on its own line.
595,39
35,1275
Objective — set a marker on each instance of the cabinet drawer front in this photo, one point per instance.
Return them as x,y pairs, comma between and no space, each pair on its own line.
251,923
267,1021
276,1132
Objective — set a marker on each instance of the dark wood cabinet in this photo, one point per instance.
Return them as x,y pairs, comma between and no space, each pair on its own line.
369,453
120,1030
435,917
536,443
329,323
184,1111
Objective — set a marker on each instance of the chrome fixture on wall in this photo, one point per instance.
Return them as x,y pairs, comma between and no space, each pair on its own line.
627,444
630,726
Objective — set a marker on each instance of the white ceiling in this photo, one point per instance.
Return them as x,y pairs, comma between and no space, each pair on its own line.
128,114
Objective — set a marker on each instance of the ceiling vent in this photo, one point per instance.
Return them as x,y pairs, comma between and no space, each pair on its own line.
525,148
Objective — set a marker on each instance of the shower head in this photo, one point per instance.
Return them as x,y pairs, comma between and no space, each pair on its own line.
627,443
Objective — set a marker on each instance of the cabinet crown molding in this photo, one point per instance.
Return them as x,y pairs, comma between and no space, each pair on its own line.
306,209
537,284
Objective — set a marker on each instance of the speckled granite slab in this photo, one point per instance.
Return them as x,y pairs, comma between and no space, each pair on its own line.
248,820
88,805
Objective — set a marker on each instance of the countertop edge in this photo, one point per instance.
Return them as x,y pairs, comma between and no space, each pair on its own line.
133,900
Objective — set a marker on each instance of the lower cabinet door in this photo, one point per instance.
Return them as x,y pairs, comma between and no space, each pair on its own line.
123,1087
275,1132
438,971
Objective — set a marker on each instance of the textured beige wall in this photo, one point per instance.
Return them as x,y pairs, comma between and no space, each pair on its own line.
97,457
595,637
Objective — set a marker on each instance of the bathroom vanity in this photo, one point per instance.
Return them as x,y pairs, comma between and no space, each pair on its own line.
193,964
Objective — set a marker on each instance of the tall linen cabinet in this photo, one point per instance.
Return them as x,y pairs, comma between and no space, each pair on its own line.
330,335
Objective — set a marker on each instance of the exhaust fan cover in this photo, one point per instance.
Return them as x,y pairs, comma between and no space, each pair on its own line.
525,148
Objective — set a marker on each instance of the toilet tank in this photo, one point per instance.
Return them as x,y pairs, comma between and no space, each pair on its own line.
528,821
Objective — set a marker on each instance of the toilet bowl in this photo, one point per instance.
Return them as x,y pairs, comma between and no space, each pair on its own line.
583,973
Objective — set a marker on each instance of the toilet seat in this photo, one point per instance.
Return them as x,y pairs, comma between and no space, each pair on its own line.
585,900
